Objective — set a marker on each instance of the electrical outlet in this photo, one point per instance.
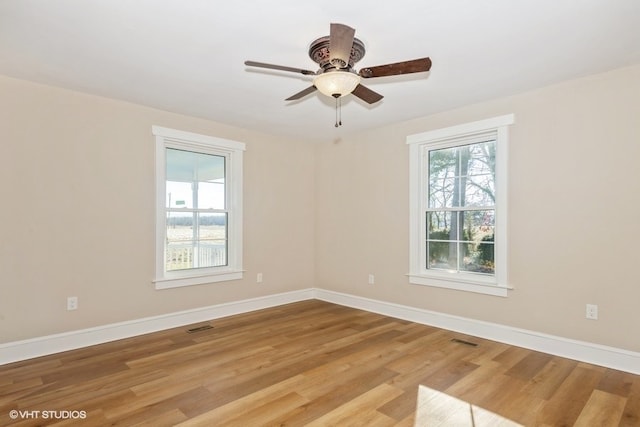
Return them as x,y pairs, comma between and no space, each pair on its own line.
592,312
259,278
372,279
72,303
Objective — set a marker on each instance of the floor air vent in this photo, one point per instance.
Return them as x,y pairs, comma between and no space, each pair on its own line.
472,344
199,328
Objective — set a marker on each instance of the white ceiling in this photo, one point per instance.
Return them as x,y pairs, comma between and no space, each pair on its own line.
187,56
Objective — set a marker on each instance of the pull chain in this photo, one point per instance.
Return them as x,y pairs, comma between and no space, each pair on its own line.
338,109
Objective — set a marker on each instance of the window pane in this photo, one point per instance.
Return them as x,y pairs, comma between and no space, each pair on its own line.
179,244
213,226
179,195
179,227
479,234
195,180
442,255
439,225
196,240
442,177
480,181
441,192
212,239
478,224
482,157
480,259
479,190
445,225
211,195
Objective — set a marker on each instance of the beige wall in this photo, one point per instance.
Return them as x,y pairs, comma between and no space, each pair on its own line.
76,181
77,212
574,205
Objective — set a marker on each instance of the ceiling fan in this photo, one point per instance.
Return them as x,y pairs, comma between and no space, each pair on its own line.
336,55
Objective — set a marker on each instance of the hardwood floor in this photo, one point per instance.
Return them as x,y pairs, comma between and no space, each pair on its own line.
318,364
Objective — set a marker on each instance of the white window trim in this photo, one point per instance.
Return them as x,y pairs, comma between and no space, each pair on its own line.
418,273
233,152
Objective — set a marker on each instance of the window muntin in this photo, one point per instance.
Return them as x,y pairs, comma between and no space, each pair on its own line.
199,208
458,207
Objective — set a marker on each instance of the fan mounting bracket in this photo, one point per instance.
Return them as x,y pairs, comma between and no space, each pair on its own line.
319,53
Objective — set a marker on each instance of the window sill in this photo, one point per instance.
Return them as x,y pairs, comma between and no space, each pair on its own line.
468,284
178,282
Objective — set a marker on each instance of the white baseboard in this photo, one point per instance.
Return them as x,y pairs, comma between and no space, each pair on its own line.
595,354
41,346
609,357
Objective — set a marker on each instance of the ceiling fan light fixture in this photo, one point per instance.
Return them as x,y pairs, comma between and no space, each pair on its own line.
338,83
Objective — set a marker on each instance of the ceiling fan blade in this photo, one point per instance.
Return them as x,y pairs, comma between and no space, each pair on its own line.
302,93
366,94
279,67
340,44
405,67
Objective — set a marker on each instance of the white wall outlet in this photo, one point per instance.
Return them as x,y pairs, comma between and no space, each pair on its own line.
259,278
592,311
72,303
372,279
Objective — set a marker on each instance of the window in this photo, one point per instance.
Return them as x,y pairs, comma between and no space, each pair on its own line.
458,185
198,208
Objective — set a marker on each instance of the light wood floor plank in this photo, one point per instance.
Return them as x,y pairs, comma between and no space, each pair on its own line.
361,410
545,383
602,409
631,413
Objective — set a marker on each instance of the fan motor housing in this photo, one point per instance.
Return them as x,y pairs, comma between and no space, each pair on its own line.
319,53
